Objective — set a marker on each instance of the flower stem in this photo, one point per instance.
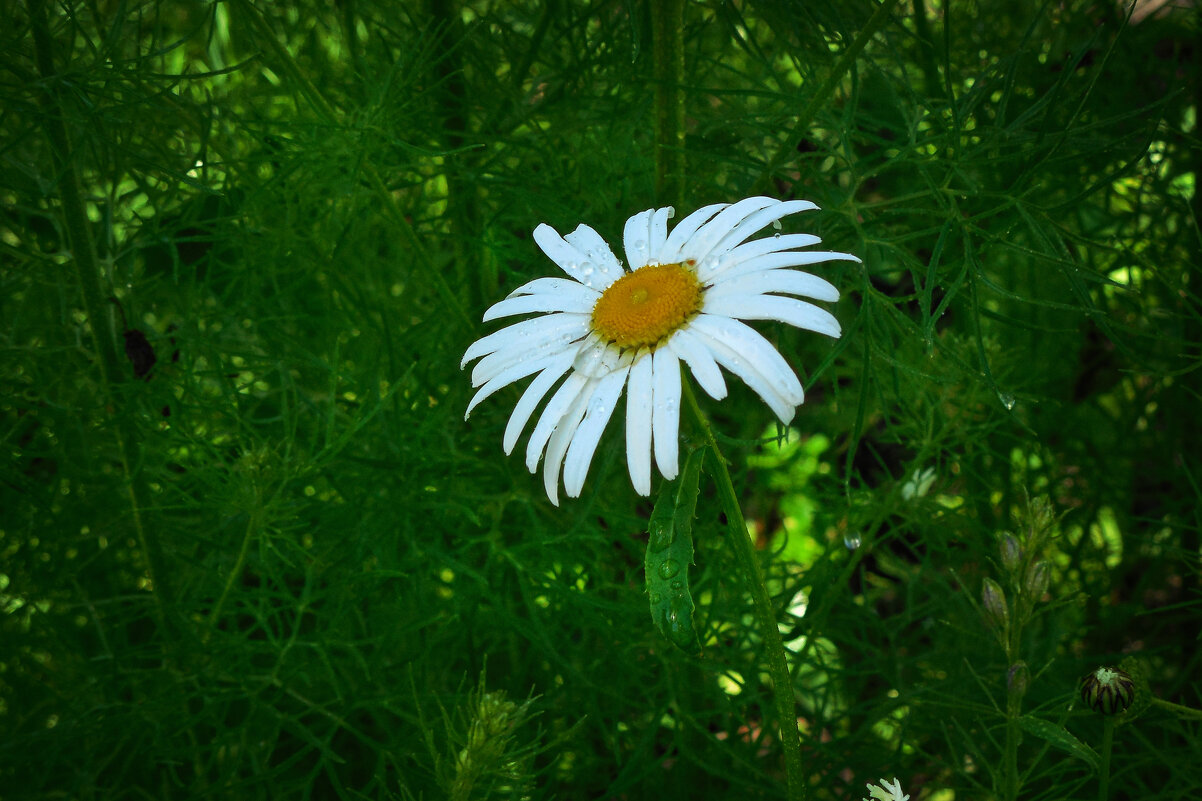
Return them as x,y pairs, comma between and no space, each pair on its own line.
774,647
1104,771
667,34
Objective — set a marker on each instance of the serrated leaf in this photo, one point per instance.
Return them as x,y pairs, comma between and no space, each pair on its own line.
1061,738
669,554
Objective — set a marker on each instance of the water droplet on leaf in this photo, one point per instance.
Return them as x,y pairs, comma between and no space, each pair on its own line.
852,541
668,568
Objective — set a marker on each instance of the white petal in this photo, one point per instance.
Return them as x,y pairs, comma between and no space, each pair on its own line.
725,267
557,447
506,377
539,329
570,258
531,397
746,370
552,416
665,417
701,243
584,443
531,342
786,282
751,348
600,267
683,232
689,347
638,423
753,223
548,286
758,247
580,300
636,238
770,307
659,228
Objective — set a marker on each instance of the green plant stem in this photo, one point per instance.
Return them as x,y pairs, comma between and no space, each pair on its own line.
667,34
1177,709
252,526
88,273
822,94
1104,771
774,647
1010,757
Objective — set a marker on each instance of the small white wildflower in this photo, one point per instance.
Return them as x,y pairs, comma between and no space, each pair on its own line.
887,791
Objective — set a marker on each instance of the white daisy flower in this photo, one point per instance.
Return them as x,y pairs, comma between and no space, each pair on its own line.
609,328
887,791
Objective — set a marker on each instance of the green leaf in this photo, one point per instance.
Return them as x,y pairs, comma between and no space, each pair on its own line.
1061,738
669,554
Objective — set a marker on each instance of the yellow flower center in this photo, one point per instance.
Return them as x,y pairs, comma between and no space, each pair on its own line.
645,306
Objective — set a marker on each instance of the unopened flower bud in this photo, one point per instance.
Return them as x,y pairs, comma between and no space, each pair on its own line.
1012,553
994,600
1108,690
1035,583
1017,679
1041,517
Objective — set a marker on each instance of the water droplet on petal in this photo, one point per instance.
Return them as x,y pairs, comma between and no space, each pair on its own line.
776,236
776,224
589,360
640,244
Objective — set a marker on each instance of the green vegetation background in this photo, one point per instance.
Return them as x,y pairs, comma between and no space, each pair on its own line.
280,565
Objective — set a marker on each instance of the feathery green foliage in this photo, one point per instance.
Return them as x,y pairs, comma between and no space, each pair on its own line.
249,548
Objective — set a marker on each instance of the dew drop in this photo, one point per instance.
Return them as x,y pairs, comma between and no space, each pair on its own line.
656,598
668,568
776,224
852,541
677,585
588,361
661,535
1007,400
776,236
640,244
